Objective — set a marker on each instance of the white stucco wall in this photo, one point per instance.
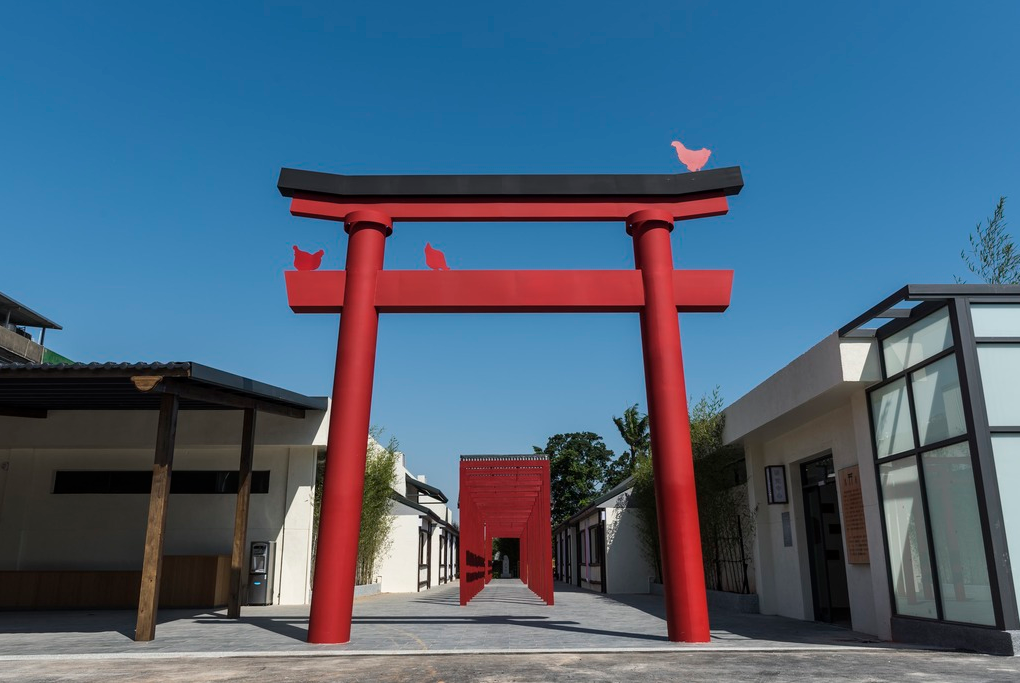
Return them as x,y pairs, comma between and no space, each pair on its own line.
814,406
783,573
42,530
628,571
398,567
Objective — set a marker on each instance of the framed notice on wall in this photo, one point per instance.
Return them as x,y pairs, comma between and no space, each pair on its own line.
775,484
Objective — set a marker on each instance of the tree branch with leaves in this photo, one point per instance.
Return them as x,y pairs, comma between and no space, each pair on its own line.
993,256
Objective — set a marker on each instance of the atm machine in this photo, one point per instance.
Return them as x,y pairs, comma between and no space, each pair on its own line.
261,572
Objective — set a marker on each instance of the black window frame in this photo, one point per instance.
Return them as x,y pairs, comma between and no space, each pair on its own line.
978,440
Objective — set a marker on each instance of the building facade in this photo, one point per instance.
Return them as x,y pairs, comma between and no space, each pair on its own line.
74,494
75,486
600,548
423,546
880,465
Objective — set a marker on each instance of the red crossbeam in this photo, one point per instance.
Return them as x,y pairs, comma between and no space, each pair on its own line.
554,210
509,291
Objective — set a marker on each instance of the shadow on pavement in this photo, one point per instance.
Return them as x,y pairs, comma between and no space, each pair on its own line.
729,626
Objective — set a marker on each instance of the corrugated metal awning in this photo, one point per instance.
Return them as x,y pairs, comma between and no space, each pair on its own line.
27,388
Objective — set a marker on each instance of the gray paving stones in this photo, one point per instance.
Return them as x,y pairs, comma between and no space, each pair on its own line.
505,617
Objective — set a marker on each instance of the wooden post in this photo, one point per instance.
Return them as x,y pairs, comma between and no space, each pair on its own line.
159,497
237,576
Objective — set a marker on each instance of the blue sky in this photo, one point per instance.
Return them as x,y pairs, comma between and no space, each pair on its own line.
141,145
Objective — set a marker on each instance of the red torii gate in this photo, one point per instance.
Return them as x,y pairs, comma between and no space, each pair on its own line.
505,496
368,207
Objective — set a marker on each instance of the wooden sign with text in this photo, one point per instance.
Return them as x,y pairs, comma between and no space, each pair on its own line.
854,526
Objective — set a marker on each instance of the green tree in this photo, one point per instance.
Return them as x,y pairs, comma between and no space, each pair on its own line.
722,510
376,520
993,257
577,462
633,428
642,500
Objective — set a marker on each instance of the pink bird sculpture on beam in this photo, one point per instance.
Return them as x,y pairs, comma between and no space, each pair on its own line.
693,159
305,261
434,258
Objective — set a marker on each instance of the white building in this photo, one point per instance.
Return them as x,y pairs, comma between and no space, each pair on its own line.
77,449
880,464
423,547
600,548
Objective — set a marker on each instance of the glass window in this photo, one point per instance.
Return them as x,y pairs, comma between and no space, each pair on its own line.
1000,377
996,320
909,563
893,430
938,401
921,340
1006,452
956,533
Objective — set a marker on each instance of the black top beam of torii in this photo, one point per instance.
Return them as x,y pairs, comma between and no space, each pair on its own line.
715,182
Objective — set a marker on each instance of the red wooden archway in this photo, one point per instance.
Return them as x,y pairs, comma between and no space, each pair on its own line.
368,206
505,496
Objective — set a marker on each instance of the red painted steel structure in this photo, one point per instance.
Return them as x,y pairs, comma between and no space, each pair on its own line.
655,290
505,497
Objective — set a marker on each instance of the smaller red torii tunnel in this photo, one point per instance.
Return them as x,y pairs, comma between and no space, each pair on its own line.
505,496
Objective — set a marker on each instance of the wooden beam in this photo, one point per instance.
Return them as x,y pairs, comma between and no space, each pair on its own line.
237,574
159,498
208,394
542,210
509,291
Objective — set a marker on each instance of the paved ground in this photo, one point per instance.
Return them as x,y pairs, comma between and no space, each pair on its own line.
852,666
585,637
504,617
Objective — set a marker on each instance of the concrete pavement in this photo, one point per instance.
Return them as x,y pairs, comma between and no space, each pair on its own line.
505,617
849,666
504,634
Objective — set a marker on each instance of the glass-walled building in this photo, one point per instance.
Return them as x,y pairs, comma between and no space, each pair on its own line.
914,408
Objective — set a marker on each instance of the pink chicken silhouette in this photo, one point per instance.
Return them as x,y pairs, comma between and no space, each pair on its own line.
434,258
693,159
305,261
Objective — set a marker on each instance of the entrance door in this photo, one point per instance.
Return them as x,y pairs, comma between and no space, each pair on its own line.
825,542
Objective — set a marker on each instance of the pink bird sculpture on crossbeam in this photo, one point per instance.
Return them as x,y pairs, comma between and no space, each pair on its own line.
435,259
693,159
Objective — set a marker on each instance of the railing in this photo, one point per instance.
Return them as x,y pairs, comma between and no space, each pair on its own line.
19,348
727,563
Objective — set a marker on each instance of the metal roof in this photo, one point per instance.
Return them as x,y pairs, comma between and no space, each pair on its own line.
890,307
404,500
430,490
23,315
724,181
622,487
27,387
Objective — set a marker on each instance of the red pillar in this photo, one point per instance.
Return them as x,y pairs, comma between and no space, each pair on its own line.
344,480
545,519
523,560
675,497
488,555
464,544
